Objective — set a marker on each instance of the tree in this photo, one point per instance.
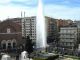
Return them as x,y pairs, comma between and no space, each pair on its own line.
29,45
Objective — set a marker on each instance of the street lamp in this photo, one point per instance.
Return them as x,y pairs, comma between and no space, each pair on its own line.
63,51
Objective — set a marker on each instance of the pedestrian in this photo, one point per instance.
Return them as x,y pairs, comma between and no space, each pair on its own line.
17,57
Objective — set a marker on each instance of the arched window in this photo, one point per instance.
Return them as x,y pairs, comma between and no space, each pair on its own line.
9,44
3,44
14,43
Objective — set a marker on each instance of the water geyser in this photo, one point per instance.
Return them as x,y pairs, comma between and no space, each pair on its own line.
40,27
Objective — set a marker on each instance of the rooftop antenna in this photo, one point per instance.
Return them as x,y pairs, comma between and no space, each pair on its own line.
8,17
24,26
21,14
21,18
24,14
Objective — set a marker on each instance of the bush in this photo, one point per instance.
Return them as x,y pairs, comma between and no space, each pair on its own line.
49,58
52,57
39,59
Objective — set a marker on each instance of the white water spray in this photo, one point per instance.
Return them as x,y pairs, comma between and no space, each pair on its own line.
40,27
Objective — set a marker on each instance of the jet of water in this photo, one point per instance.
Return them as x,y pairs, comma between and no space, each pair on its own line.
40,27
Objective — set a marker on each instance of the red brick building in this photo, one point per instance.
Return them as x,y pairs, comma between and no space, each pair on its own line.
61,23
16,20
10,35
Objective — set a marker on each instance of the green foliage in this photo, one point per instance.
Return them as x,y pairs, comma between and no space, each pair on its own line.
49,58
29,45
39,59
53,57
73,57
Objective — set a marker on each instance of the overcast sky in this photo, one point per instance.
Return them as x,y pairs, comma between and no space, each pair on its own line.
64,9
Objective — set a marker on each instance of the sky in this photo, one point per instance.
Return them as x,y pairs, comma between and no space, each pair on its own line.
59,9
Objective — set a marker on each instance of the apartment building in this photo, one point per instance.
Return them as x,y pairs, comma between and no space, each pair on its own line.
69,38
29,28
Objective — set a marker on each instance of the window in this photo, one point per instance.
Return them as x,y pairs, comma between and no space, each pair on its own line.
14,44
8,30
9,46
4,46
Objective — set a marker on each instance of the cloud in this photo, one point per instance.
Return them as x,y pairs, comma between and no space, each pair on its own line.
19,2
25,1
64,12
5,1
15,11
11,10
53,10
